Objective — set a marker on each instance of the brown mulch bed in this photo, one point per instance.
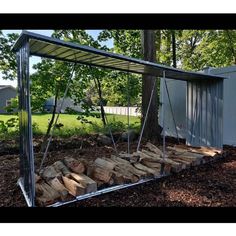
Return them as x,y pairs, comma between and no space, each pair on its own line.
211,185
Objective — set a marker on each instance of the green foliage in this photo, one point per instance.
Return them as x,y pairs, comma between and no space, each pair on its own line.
49,79
126,42
8,66
115,85
197,49
71,126
10,127
35,128
71,111
116,89
114,126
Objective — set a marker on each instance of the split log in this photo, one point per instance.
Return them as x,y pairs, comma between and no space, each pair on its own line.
194,158
151,164
128,177
206,151
45,194
176,167
177,149
144,154
123,164
155,149
121,174
49,172
59,166
89,184
132,158
110,160
105,164
189,157
153,172
101,174
209,151
185,163
74,188
118,178
59,187
119,160
74,165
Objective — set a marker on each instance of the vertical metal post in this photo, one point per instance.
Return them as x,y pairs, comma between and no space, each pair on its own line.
26,181
19,81
30,137
163,114
128,111
201,111
221,116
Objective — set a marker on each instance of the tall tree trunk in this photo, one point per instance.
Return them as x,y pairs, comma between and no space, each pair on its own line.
99,88
45,138
173,48
151,130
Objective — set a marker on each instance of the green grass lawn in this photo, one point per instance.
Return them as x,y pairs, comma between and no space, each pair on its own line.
73,126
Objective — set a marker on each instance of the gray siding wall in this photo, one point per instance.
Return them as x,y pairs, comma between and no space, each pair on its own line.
205,113
6,94
177,91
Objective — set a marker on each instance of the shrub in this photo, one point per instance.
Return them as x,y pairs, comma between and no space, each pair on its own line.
9,127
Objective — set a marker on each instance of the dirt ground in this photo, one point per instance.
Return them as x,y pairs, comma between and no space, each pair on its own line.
211,185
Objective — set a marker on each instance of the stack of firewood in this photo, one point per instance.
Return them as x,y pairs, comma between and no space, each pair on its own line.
69,178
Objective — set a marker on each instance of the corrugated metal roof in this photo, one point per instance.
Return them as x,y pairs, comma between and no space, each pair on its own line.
49,47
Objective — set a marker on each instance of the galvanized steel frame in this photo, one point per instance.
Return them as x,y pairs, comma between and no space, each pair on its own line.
22,48
26,181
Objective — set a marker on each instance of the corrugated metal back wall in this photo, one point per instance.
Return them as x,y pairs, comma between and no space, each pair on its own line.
205,113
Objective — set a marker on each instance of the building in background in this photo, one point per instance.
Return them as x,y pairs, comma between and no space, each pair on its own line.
68,103
7,92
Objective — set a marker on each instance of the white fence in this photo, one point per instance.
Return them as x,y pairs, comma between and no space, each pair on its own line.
133,111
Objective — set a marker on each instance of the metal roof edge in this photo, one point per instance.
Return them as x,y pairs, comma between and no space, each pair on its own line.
223,70
23,36
27,34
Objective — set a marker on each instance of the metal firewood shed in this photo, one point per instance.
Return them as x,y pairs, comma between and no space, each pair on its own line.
199,85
